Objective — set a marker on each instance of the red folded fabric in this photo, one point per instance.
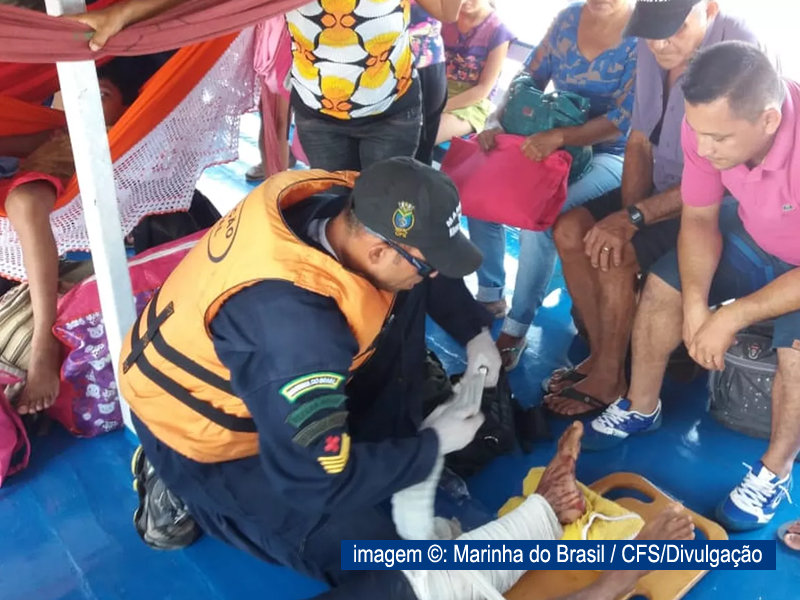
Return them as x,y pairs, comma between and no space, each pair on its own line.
28,36
504,186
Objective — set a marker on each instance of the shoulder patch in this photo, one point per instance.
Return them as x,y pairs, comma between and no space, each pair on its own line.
308,383
336,463
310,433
305,411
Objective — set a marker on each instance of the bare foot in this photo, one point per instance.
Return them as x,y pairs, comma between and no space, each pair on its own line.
510,348
43,382
671,524
792,537
558,484
557,381
604,389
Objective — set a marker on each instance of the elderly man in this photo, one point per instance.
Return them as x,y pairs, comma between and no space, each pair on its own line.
605,243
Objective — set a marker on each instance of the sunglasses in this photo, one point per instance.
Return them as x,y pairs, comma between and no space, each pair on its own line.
423,268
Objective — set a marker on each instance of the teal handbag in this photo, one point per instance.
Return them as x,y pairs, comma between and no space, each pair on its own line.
529,111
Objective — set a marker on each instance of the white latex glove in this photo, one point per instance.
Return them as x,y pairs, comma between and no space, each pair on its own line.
482,352
455,427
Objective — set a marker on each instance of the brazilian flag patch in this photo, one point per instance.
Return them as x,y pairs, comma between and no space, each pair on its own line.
311,383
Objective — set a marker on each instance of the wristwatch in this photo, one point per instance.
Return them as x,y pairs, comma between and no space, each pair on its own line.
636,217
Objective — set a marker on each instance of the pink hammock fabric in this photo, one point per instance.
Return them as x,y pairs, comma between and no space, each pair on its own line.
27,36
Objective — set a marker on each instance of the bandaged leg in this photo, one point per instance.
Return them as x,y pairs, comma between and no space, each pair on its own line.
557,500
533,520
413,508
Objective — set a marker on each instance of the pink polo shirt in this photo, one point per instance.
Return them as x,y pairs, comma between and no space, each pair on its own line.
769,195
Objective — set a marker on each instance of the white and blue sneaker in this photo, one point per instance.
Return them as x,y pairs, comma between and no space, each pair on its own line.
618,422
753,502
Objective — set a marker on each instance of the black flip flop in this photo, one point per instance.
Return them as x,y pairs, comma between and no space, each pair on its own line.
570,376
598,406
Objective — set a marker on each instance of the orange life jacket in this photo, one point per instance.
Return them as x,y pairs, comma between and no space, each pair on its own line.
170,373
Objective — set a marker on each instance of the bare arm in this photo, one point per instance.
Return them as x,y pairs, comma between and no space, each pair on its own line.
445,11
637,171
637,183
699,250
108,22
597,130
491,71
661,207
775,299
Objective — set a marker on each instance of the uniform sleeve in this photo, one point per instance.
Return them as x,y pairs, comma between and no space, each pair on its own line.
450,304
289,352
624,95
702,183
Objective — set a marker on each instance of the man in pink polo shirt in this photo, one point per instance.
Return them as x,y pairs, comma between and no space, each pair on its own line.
741,134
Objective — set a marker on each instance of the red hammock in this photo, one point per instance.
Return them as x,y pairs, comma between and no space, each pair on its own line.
27,36
35,82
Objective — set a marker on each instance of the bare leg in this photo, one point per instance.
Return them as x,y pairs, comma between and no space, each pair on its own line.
282,119
450,127
29,207
605,379
784,444
657,331
581,278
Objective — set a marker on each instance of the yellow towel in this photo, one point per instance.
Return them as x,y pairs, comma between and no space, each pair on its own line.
603,519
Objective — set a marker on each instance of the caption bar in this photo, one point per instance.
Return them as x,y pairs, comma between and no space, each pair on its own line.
503,555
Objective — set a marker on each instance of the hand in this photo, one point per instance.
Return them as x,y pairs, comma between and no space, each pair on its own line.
605,242
713,339
540,145
488,138
695,315
482,352
453,426
106,23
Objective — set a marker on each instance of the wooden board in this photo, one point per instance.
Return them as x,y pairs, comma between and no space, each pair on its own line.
658,585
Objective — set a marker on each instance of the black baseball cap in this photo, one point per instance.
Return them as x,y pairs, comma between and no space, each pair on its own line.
658,19
408,202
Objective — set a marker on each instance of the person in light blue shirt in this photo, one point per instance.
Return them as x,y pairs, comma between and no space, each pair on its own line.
583,52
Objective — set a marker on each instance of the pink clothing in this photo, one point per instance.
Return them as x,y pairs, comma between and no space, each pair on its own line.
272,62
768,195
273,54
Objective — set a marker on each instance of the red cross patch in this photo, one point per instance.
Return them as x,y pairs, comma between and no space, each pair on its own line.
332,443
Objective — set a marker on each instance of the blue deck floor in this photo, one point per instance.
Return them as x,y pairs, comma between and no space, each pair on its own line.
67,530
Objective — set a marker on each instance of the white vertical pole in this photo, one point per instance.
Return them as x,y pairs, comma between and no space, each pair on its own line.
87,130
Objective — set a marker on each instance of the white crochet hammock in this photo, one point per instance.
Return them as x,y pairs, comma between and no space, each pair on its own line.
159,174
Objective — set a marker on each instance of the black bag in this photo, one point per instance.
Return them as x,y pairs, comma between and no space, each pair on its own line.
506,424
155,230
740,396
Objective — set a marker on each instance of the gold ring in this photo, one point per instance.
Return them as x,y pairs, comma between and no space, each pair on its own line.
606,249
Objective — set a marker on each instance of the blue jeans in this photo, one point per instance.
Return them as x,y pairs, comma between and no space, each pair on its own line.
537,251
